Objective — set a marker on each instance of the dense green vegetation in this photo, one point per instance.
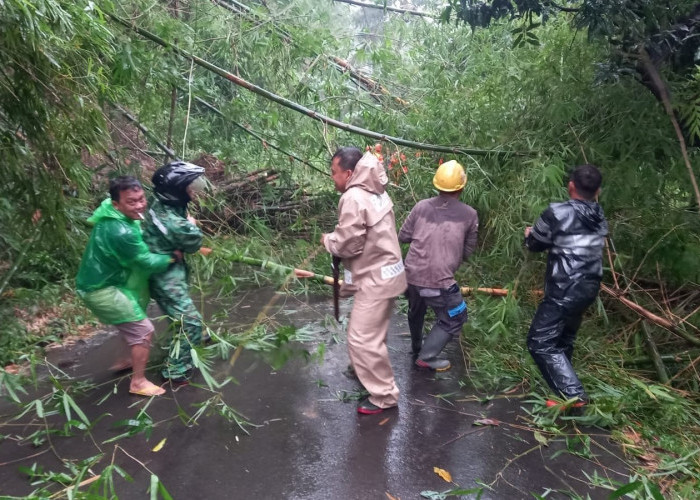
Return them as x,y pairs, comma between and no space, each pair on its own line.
574,93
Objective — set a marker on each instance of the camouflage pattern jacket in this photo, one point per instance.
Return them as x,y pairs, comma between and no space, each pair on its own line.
167,229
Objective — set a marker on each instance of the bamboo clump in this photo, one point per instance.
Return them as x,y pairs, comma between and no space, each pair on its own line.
304,110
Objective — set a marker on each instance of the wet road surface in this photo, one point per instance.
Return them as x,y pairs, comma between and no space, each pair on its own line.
305,442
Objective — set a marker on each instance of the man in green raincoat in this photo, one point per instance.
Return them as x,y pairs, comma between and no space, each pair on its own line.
113,275
168,228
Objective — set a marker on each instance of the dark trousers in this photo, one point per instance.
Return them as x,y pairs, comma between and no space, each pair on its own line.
553,333
444,306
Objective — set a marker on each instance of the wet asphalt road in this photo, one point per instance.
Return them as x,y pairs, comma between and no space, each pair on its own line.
308,444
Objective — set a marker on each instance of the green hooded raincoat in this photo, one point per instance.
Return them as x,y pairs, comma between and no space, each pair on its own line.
113,275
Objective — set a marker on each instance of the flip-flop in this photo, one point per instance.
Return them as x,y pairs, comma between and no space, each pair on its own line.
148,392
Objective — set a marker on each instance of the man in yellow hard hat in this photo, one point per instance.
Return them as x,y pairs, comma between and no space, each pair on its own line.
442,232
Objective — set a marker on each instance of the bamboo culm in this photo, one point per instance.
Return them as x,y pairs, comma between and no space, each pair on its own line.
388,8
148,133
257,136
306,111
328,280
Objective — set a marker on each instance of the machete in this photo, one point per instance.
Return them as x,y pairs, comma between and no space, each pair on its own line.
335,267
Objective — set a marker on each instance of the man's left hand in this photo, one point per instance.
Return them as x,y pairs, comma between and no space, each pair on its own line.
177,256
527,231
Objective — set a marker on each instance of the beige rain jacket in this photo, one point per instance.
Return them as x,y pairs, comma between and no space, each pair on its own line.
365,237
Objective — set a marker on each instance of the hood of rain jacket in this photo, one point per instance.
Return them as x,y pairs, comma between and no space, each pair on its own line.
365,236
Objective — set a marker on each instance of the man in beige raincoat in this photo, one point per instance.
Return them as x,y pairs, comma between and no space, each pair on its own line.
365,238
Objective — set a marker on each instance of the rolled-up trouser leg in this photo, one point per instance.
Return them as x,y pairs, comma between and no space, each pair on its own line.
450,313
173,298
367,329
416,317
543,344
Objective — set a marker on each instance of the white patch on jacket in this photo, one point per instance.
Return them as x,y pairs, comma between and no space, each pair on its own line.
157,222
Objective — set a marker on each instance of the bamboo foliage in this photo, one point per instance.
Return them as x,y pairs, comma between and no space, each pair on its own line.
387,8
461,90
561,98
304,110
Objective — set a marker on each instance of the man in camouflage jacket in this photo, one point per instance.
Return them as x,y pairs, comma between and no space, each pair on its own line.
168,226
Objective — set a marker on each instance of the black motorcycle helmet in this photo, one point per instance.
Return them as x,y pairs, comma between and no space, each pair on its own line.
170,182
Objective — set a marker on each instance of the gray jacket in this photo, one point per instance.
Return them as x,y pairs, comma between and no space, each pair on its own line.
442,232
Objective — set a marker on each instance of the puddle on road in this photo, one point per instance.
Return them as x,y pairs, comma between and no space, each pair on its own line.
303,441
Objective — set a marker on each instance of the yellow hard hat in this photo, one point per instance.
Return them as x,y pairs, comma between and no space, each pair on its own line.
450,177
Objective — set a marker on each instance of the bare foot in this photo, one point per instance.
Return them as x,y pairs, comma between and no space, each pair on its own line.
146,389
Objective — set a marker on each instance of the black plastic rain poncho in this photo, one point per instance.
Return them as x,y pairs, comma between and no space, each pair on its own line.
574,233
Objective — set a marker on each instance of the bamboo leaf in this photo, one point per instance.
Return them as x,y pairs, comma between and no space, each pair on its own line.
159,446
154,487
541,439
66,405
39,408
164,492
443,474
77,409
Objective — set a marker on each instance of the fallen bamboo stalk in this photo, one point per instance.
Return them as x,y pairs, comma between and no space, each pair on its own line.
655,355
388,8
639,309
327,280
265,209
465,290
250,180
148,133
497,292
264,142
653,350
675,358
302,109
368,83
338,63
654,318
244,10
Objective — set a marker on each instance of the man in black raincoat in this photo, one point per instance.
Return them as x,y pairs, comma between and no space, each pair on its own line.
574,233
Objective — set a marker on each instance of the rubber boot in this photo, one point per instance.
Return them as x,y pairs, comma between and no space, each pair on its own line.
350,372
416,318
416,342
434,343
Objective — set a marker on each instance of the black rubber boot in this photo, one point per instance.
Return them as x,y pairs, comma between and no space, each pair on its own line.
416,318
434,343
350,373
366,407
